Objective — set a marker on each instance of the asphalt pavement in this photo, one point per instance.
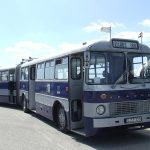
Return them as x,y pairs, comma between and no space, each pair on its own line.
20,131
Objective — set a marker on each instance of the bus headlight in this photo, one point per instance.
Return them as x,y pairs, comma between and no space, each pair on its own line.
100,109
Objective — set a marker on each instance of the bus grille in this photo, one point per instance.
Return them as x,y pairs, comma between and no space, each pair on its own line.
129,108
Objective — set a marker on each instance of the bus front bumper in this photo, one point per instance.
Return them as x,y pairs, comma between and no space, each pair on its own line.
120,121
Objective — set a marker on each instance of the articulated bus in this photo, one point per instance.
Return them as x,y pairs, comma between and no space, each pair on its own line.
99,86
7,85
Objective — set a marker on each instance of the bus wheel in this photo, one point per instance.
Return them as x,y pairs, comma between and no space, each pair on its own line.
24,104
61,119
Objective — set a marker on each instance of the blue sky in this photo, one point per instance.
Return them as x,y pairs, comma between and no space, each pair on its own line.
39,28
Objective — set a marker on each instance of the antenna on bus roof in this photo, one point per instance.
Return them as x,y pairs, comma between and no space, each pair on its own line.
27,60
84,43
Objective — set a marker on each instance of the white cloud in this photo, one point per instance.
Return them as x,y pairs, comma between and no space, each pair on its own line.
96,26
127,35
65,47
26,49
28,46
145,23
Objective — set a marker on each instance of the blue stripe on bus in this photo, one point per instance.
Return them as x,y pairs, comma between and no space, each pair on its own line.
24,85
116,96
59,89
3,85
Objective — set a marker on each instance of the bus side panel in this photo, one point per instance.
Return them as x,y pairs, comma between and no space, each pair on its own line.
47,93
4,92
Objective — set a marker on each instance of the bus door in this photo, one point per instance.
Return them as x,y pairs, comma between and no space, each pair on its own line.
31,94
76,91
12,87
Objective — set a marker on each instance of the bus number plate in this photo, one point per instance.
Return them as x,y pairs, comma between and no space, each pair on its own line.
133,120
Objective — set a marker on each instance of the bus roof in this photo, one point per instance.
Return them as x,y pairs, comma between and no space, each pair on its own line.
97,46
7,68
55,56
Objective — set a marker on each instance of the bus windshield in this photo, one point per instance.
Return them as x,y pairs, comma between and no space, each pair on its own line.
139,68
106,68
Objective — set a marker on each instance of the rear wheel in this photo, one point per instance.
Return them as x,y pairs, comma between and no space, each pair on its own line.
61,119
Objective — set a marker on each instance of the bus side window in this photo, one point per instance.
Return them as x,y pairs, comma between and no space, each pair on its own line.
40,71
61,69
5,75
76,68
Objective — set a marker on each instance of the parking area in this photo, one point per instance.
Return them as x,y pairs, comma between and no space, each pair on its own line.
20,131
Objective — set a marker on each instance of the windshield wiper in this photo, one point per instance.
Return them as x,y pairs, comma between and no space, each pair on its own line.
124,73
118,79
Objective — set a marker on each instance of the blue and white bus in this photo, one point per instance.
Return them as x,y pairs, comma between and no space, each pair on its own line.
102,85
7,85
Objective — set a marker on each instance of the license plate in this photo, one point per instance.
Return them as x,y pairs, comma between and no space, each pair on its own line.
133,120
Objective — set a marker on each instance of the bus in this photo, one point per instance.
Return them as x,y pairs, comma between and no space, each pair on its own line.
7,85
104,85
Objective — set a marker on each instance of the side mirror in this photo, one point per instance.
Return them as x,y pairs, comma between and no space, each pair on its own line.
86,64
87,56
86,59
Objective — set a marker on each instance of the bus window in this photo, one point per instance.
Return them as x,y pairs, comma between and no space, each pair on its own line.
49,69
97,67
24,73
104,68
11,77
40,71
58,69
76,68
61,69
65,68
139,68
5,76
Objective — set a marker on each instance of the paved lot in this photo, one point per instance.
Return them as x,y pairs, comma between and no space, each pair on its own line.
20,131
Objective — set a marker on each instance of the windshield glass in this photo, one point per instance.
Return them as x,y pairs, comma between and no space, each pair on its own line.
139,68
106,68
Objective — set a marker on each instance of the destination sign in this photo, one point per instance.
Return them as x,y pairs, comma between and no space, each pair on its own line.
125,44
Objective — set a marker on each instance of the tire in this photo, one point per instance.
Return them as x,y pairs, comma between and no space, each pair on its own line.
24,104
61,119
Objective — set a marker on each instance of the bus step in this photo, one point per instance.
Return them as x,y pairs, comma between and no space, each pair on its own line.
80,131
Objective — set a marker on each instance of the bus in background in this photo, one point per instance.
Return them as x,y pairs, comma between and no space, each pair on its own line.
7,85
99,86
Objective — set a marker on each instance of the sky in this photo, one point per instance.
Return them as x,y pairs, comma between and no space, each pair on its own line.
40,28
